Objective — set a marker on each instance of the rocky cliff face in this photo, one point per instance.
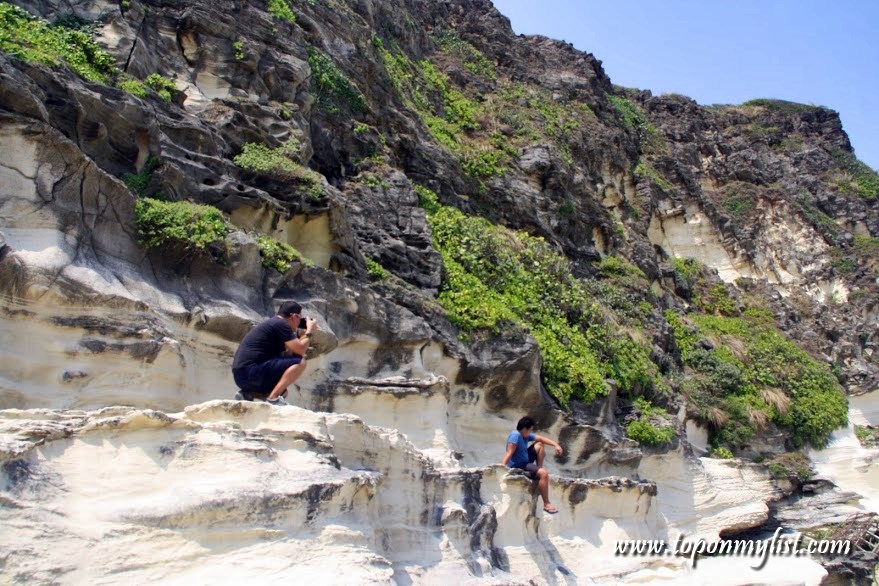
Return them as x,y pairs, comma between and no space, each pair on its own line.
674,251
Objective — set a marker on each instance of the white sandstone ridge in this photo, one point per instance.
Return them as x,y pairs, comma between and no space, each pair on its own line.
228,490
846,462
787,253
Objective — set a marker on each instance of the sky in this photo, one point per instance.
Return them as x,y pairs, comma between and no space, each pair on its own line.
729,51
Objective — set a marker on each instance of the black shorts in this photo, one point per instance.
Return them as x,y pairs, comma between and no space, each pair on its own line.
262,378
531,466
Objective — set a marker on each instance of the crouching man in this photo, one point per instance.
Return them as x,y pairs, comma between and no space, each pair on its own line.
271,357
530,458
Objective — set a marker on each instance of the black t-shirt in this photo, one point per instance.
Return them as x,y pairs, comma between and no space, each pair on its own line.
264,342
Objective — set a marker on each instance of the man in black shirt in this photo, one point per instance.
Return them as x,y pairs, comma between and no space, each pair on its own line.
271,357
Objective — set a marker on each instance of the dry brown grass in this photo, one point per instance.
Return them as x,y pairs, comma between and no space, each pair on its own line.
759,419
717,417
776,398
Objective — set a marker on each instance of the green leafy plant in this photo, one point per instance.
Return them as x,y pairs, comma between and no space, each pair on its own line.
376,270
722,453
137,182
427,199
686,269
868,436
278,255
195,228
238,47
280,9
633,118
790,464
652,426
472,59
35,40
754,375
611,265
333,89
372,181
499,280
644,169
263,159
860,178
163,86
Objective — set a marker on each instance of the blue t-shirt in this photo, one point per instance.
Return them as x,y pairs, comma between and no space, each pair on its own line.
520,456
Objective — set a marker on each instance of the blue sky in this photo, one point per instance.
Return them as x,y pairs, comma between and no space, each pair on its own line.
729,51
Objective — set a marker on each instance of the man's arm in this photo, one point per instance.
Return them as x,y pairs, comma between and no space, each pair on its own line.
300,345
546,440
511,449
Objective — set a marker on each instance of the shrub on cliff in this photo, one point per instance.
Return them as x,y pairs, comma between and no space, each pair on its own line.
496,279
278,163
196,229
333,88
278,255
653,425
35,40
753,375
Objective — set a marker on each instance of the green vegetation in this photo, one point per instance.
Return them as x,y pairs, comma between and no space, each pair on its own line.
779,106
280,9
37,41
722,453
715,299
858,178
500,280
195,228
760,130
474,61
278,255
790,465
333,89
277,163
485,132
635,119
427,199
753,376
372,180
568,208
376,270
653,426
866,246
867,435
816,217
739,206
137,182
164,87
611,265
645,169
686,270
260,158
238,47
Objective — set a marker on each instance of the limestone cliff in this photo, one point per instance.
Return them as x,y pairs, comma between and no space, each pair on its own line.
482,224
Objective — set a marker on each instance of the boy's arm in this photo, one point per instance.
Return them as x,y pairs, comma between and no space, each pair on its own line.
546,440
511,448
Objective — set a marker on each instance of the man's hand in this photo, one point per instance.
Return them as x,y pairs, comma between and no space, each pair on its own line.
310,325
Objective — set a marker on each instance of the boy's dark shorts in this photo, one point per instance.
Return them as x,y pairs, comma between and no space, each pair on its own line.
262,378
531,466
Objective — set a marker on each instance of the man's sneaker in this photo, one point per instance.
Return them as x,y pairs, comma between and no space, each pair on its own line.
243,396
280,401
